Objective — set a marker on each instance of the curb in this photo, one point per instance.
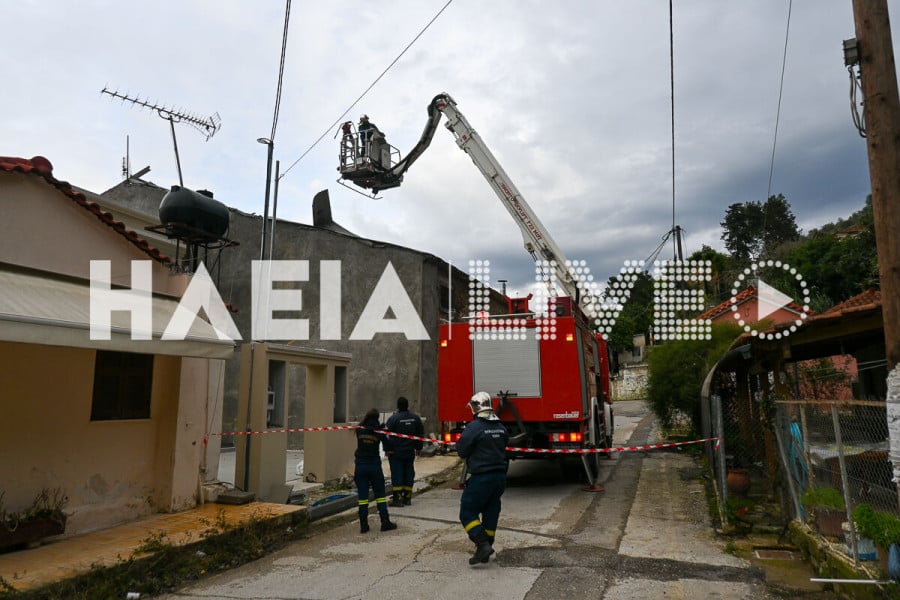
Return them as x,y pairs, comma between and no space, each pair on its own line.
351,500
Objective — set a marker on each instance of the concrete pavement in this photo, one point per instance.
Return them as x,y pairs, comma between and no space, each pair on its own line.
304,492
649,535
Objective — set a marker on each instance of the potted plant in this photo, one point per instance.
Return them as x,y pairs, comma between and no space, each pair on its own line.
880,527
828,507
43,518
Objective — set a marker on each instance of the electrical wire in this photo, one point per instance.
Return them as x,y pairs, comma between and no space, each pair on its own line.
331,127
656,252
787,35
284,36
672,105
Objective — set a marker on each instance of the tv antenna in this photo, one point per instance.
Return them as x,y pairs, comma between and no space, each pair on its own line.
208,126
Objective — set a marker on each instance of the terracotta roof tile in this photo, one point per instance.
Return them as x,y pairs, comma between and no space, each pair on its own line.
868,301
865,301
41,167
743,296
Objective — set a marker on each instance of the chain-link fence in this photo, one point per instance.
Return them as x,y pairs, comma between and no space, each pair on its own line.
837,455
745,457
819,459
843,446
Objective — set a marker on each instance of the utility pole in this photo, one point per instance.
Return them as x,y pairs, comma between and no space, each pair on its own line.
882,117
881,105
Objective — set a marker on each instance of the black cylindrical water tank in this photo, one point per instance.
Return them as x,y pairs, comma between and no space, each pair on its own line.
194,209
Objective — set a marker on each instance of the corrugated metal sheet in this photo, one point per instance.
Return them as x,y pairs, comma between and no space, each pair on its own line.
507,365
36,309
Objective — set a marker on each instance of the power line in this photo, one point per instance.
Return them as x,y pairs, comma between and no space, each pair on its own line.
672,104
377,79
787,35
284,36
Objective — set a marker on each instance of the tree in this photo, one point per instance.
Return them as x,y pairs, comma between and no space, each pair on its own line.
837,265
752,230
676,372
721,278
636,315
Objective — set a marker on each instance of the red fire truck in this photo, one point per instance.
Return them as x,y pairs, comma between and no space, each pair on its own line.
545,366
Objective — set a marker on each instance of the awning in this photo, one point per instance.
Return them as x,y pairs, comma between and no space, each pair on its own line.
36,309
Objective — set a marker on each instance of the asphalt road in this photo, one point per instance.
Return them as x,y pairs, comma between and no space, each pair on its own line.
647,536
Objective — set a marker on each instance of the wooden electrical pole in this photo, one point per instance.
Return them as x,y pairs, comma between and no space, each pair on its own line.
881,104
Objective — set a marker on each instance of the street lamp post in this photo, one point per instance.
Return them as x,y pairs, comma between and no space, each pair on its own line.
271,145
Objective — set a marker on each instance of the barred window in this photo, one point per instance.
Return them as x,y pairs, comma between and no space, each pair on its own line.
122,386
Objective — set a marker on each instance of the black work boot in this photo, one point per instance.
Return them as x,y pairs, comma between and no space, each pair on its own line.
407,497
364,520
483,549
386,524
397,500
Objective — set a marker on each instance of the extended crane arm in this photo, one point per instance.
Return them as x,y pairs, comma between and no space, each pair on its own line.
536,240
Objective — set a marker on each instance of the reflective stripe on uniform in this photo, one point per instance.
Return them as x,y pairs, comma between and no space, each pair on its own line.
472,525
363,502
490,532
380,500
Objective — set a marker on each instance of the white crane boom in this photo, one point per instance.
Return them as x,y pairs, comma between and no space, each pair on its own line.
372,168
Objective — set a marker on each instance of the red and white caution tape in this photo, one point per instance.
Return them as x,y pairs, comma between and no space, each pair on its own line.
508,449
293,430
616,449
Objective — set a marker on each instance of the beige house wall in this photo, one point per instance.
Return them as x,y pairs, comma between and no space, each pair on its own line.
112,471
50,232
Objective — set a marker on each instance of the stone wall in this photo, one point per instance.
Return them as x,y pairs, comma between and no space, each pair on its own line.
630,383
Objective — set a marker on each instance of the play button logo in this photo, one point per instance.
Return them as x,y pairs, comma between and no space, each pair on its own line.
770,299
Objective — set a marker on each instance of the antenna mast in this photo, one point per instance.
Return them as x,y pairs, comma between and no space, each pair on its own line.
208,126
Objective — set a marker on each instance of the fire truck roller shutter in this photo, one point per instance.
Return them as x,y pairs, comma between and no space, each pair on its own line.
507,364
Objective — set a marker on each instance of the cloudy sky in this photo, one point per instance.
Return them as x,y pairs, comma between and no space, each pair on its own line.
573,98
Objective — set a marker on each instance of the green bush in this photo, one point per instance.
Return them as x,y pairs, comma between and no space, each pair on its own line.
823,497
676,371
880,527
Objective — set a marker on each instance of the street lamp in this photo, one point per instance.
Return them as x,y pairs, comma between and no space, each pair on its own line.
271,145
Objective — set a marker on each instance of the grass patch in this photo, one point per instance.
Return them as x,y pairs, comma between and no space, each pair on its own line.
159,565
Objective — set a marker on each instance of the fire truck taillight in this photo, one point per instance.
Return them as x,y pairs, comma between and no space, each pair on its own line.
444,343
570,337
574,436
451,438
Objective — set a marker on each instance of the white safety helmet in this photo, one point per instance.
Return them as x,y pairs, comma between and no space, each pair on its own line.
482,406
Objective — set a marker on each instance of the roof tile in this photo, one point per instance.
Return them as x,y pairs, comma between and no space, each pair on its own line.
42,167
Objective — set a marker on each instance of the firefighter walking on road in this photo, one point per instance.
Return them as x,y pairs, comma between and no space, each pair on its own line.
483,446
402,452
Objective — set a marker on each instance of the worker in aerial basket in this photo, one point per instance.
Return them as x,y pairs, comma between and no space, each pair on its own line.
483,446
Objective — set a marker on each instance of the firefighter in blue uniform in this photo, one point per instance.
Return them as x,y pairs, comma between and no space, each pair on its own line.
368,472
483,446
402,452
